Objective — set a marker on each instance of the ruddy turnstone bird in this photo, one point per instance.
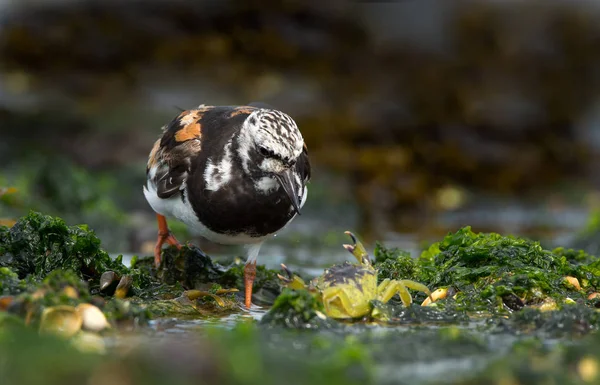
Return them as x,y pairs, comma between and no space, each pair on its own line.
235,175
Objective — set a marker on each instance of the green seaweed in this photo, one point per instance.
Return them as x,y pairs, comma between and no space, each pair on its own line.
495,273
38,244
148,282
10,283
57,280
297,309
394,263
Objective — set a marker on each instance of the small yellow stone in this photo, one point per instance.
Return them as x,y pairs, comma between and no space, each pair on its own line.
573,282
588,369
548,305
70,292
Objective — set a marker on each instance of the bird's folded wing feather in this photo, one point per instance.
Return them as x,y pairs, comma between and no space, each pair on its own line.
303,165
171,156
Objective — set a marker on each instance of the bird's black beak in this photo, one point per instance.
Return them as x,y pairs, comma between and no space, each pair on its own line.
286,180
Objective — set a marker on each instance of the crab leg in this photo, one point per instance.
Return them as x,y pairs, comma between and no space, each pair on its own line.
164,235
353,309
388,288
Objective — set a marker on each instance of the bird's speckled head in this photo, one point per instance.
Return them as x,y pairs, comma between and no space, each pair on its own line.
272,140
269,147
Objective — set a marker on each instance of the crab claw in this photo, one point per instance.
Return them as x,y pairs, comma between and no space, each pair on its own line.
287,271
357,249
292,281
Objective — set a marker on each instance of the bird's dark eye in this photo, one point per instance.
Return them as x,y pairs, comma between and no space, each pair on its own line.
265,152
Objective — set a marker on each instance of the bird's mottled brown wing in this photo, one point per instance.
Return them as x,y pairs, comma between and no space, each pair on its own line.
172,154
183,140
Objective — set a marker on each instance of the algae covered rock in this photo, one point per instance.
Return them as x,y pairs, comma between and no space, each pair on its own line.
193,269
53,264
38,244
492,272
46,264
188,266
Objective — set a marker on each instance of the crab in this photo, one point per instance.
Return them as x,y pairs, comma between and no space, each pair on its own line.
347,289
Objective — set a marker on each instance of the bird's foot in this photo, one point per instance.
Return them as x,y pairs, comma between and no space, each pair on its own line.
249,276
164,235
162,239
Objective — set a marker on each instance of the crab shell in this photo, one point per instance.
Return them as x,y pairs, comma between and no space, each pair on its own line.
358,283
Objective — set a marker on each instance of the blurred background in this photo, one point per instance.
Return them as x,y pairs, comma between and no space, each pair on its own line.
420,116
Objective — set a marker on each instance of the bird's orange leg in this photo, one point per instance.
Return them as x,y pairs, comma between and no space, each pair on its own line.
249,275
164,235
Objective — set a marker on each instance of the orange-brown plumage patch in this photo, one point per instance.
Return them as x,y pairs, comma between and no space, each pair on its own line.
191,129
152,158
242,110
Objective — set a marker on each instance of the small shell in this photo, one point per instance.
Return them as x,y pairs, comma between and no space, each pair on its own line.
108,281
572,282
440,293
92,318
64,321
124,286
